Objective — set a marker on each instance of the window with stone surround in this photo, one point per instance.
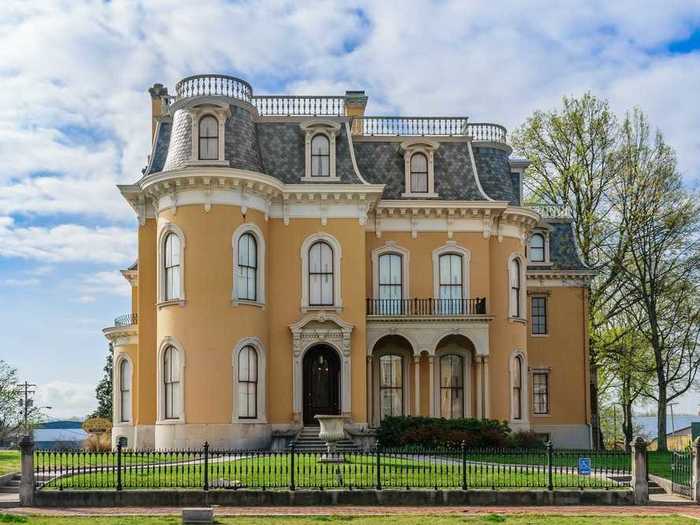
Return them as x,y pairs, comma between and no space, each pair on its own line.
538,314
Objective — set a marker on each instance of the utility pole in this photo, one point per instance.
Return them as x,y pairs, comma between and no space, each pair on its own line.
614,426
673,427
27,402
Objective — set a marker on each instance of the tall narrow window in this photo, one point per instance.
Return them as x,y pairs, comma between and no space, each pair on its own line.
451,386
171,267
451,284
515,288
390,283
419,173
171,383
320,274
320,156
539,315
248,383
540,393
391,385
208,138
517,388
536,248
247,285
124,391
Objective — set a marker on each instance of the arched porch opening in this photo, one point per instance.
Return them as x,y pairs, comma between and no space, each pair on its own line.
391,365
453,378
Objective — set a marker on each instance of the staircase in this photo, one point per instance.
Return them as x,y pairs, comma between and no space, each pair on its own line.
308,441
12,486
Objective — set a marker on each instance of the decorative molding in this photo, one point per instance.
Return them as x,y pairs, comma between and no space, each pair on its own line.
427,148
220,112
337,261
451,247
328,129
392,247
260,257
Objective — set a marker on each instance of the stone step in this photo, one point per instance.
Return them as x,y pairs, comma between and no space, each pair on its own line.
6,489
656,490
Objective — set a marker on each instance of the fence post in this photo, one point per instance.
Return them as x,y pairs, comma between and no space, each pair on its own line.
464,465
379,467
119,465
640,485
550,457
206,465
696,470
292,485
26,484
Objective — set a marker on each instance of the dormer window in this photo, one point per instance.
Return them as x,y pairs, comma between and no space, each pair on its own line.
320,150
420,175
320,156
538,248
208,138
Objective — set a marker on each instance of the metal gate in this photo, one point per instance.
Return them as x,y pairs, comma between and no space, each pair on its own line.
681,473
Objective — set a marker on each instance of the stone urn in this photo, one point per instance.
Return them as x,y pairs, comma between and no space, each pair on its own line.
332,431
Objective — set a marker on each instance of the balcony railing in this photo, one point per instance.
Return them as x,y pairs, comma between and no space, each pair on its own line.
214,85
126,320
290,105
426,307
432,127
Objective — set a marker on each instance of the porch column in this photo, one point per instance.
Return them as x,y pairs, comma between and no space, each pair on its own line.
416,393
370,391
431,403
487,396
479,386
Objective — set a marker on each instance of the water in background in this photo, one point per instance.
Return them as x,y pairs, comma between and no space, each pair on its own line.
648,423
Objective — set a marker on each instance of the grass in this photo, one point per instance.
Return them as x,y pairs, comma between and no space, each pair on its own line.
9,461
359,471
53,460
486,519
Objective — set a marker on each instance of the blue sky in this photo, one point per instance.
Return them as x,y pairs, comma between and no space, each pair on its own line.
75,122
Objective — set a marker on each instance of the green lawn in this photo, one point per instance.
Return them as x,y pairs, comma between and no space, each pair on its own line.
360,471
51,460
9,461
487,519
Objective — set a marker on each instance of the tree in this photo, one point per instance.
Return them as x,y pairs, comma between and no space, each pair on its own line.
11,416
573,167
103,391
661,265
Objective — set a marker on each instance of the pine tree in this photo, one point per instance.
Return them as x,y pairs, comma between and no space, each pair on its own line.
103,391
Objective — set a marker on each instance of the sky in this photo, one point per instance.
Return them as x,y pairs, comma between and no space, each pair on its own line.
76,118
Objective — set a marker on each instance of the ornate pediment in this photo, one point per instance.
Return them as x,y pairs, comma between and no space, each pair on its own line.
321,327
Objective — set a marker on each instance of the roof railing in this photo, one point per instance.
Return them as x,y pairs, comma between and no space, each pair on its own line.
431,127
213,85
126,320
292,105
550,211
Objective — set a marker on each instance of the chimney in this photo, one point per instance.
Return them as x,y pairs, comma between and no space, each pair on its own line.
159,105
355,104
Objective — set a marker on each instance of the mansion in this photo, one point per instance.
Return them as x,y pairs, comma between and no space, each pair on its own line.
297,257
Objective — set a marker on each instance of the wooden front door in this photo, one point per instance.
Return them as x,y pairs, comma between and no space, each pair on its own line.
321,383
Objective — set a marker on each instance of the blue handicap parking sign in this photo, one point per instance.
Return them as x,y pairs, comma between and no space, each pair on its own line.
584,466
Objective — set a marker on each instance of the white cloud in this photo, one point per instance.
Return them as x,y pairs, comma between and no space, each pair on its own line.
100,284
20,283
66,399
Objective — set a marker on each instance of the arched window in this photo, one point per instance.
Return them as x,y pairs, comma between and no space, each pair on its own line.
320,156
321,274
124,391
171,267
451,386
419,173
517,380
390,282
451,290
247,286
247,383
515,285
390,386
536,248
208,138
171,383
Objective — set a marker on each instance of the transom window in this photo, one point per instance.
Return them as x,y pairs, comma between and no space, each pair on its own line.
515,288
451,283
321,274
171,267
171,383
518,388
391,385
451,386
536,251
208,138
419,173
246,287
125,390
320,156
539,315
248,383
540,392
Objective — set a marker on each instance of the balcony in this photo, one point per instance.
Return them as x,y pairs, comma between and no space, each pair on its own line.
126,320
430,307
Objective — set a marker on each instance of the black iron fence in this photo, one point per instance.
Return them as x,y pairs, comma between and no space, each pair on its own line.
681,472
426,307
126,320
206,469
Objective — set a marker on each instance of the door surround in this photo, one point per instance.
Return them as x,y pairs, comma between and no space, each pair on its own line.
331,404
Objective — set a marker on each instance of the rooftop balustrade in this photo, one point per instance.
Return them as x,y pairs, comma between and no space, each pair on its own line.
551,211
213,85
291,105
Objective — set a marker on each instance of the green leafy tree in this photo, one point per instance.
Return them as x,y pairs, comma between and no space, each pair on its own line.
103,391
11,415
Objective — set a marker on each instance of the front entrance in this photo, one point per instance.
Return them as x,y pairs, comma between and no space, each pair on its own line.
321,383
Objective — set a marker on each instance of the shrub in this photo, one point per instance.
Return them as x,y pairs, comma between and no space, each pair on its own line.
98,442
526,440
427,432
